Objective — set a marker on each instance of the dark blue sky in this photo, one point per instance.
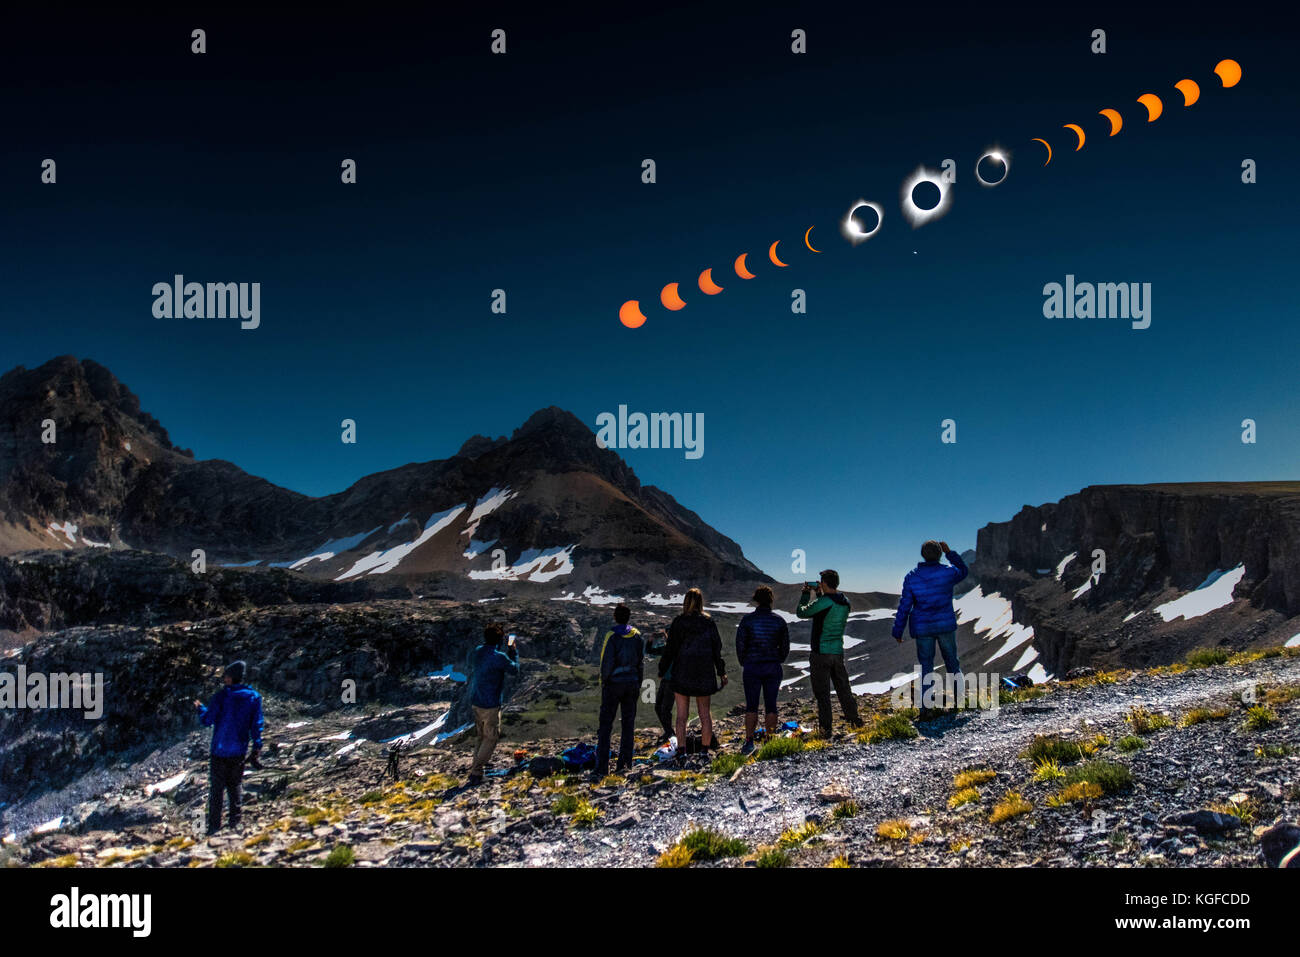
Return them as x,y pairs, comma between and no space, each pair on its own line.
523,172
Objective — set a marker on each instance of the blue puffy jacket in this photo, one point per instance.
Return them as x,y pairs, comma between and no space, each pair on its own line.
927,598
490,667
235,716
762,637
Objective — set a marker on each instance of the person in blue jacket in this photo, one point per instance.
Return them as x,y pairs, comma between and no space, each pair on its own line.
927,601
235,716
762,644
491,665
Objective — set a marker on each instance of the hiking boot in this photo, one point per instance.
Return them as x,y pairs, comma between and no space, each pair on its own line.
474,779
748,748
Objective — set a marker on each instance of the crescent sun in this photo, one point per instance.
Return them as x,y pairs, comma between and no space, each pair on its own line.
1190,91
630,314
807,243
707,285
1078,131
771,254
741,270
1153,105
671,298
1116,121
1049,148
1229,72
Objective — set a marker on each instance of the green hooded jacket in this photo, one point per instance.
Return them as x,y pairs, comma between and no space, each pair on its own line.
829,614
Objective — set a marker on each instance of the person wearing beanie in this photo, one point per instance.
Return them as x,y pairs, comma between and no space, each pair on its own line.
235,716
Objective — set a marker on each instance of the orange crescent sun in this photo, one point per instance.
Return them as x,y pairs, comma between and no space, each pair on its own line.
807,242
1153,105
771,254
1078,131
1116,121
1190,91
630,314
707,285
741,271
1049,148
1229,72
671,298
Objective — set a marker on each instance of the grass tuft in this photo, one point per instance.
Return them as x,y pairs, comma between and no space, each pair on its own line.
710,844
1208,657
1259,717
973,778
777,748
1011,805
341,856
1145,721
895,830
1048,747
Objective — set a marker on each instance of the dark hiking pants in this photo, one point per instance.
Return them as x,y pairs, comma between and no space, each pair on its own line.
829,670
225,775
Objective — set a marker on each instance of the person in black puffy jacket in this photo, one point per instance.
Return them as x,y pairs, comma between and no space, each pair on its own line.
621,667
693,656
762,644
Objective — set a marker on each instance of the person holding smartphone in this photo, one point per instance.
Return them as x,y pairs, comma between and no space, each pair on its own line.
829,610
491,665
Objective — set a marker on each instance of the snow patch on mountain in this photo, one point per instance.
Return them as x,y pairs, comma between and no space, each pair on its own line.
1214,592
992,613
534,565
387,559
592,595
1060,568
486,505
334,546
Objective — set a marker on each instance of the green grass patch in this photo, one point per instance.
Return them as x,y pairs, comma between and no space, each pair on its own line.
1208,657
775,749
1049,747
845,809
1130,742
1107,775
710,844
728,764
1145,721
892,726
772,857
1259,717
341,856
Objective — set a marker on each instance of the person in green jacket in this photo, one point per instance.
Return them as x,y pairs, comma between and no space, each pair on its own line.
829,612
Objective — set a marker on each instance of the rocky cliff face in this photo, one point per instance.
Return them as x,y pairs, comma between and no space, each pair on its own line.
546,506
1160,542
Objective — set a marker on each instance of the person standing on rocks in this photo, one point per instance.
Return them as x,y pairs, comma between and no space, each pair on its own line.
622,657
491,665
235,716
829,612
762,645
927,601
693,656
